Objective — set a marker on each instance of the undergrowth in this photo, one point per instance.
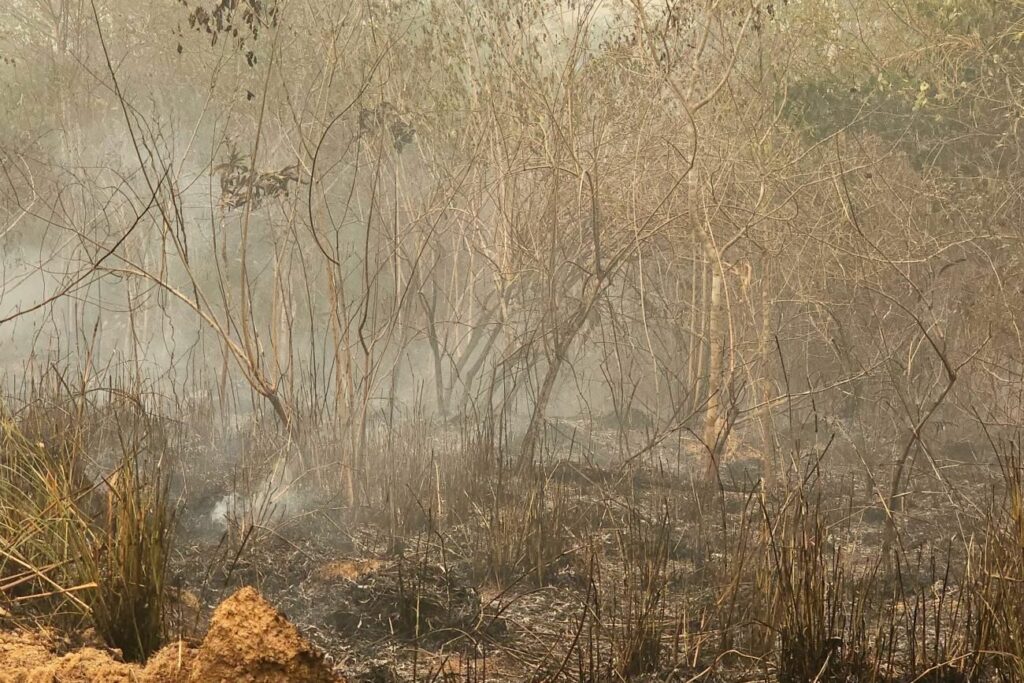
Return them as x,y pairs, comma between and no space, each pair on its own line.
650,573
92,546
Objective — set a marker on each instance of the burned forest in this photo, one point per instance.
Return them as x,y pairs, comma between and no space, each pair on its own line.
512,340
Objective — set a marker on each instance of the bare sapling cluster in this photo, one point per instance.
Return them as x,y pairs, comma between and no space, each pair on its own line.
599,340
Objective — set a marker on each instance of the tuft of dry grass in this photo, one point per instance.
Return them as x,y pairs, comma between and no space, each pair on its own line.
996,577
637,643
126,554
100,548
38,523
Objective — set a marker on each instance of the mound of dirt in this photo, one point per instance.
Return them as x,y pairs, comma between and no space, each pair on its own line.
172,663
248,641
30,658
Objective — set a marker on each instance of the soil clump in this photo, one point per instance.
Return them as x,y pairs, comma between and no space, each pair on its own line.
248,641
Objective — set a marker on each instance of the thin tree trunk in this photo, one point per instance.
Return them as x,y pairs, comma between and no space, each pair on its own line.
539,408
772,469
715,430
429,310
342,376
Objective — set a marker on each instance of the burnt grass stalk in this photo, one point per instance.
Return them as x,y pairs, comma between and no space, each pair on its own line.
562,571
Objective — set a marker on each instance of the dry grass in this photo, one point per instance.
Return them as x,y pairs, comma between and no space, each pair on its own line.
997,575
38,522
95,547
591,573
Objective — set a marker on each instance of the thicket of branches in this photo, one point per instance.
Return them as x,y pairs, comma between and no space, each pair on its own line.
692,210
780,227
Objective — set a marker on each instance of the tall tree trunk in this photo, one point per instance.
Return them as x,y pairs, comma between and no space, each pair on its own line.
716,427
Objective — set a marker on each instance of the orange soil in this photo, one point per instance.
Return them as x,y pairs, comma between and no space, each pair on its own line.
248,641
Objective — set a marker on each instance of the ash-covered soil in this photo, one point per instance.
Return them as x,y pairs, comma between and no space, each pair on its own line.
445,596
584,569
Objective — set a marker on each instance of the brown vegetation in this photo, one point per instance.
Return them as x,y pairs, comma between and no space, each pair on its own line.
513,340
